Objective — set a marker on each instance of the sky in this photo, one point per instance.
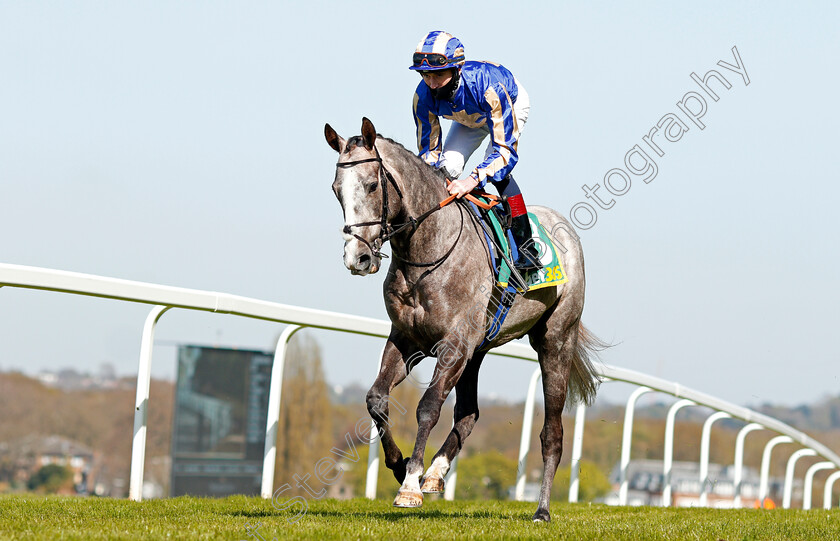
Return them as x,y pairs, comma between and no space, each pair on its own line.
182,144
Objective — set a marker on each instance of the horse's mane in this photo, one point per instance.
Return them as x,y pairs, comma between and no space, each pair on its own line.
408,155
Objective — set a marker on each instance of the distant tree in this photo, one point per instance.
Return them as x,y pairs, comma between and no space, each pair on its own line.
485,476
304,431
403,421
51,478
602,437
594,483
107,372
7,469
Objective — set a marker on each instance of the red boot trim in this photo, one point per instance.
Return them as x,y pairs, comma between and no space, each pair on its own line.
517,206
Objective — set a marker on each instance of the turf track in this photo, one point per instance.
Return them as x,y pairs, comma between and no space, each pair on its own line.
241,518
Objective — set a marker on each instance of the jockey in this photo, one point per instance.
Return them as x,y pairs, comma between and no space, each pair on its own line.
482,98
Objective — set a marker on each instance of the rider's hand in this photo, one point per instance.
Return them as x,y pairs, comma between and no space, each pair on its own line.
462,187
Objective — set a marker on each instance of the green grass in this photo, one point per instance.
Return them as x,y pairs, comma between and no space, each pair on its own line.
64,518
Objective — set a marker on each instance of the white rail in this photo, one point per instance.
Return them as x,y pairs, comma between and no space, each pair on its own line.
165,298
705,444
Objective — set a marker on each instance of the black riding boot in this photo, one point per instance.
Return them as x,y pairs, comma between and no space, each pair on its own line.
529,257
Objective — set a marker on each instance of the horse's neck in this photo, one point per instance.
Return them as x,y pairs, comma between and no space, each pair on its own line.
434,237
421,190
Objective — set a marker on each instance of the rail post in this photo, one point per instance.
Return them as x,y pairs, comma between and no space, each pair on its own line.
668,461
739,459
141,404
763,488
705,443
272,419
809,481
829,486
626,442
372,478
525,437
577,452
789,471
451,478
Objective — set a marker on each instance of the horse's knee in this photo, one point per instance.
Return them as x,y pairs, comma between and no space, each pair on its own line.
376,401
427,416
428,412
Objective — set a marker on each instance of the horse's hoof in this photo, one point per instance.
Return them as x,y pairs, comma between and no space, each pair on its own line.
432,485
407,498
541,516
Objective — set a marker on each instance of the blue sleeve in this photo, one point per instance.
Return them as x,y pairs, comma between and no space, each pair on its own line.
429,141
504,134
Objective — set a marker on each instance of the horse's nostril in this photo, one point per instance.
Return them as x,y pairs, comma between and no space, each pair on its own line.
364,259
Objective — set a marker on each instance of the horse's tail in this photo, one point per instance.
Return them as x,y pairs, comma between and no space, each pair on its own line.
584,377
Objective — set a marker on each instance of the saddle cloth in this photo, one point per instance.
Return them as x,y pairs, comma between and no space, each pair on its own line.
550,274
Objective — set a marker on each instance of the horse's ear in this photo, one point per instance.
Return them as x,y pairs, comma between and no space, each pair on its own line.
334,140
368,133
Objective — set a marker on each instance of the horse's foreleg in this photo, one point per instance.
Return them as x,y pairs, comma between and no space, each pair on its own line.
391,372
447,372
466,415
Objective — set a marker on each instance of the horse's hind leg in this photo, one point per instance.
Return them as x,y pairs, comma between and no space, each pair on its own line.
555,341
466,415
391,372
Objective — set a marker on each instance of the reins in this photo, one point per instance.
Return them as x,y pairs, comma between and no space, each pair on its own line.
387,231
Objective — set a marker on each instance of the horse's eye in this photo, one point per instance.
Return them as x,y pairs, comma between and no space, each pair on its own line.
371,187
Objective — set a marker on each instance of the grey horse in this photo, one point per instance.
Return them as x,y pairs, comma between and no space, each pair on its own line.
440,297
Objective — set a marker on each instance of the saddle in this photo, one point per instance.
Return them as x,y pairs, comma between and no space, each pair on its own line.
496,224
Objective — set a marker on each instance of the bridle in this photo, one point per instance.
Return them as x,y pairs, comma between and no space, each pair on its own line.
387,231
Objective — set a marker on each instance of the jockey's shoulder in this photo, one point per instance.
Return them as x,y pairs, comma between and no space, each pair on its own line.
485,67
476,77
479,73
479,76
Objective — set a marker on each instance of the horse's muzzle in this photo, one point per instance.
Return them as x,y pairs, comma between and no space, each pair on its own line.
359,259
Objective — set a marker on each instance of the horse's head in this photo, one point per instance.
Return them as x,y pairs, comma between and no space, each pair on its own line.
363,194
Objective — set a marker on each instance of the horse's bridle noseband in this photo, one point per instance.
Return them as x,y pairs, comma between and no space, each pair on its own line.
387,231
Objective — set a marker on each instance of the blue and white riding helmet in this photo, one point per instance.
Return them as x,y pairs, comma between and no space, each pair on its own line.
438,51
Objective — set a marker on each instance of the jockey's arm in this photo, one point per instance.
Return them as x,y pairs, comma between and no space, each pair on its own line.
429,140
503,133
462,186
